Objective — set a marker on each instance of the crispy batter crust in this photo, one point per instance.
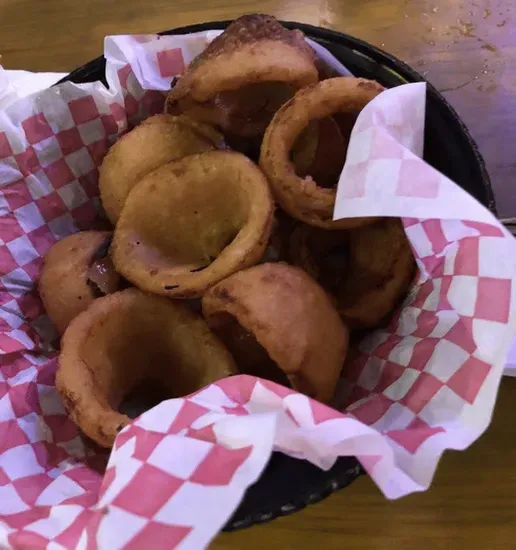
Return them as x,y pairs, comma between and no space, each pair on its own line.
125,339
301,197
368,270
63,284
244,75
291,317
253,49
193,222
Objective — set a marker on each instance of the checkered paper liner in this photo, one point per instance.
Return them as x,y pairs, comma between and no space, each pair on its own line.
424,384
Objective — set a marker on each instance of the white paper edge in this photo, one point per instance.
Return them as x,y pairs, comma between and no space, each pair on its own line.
510,365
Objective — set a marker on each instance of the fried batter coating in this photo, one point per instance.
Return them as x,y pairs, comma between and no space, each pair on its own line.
158,140
302,197
292,319
244,76
125,341
71,276
191,223
368,270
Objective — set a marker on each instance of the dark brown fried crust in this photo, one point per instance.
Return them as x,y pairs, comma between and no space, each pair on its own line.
367,270
290,316
253,29
128,339
301,197
254,51
240,56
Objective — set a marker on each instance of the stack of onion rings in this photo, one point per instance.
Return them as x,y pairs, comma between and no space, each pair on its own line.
158,140
191,221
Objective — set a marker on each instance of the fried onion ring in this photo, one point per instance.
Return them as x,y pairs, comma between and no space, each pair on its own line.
368,270
302,197
75,271
290,316
244,76
191,223
158,140
125,340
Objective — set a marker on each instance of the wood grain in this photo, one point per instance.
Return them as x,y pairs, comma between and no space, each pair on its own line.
467,49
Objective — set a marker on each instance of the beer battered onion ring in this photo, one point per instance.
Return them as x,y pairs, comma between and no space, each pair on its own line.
124,340
368,270
244,75
290,316
191,223
158,140
301,197
75,271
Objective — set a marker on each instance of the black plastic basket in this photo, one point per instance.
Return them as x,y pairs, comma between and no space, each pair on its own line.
288,484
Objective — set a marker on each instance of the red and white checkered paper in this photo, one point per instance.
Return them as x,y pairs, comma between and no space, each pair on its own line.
424,384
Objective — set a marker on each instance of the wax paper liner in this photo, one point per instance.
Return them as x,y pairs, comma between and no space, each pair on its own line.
425,383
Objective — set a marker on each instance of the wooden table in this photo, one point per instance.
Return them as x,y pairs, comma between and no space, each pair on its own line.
466,48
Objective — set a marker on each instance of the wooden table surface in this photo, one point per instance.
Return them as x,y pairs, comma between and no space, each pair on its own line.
467,49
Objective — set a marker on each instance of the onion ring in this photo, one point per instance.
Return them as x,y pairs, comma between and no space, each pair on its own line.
244,76
368,270
191,223
158,140
301,197
124,340
290,316
69,281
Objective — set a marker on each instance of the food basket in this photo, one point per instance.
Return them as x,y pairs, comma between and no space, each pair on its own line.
288,484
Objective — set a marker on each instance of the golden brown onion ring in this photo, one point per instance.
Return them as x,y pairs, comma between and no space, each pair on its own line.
191,223
368,269
124,341
244,76
301,197
290,316
158,140
71,276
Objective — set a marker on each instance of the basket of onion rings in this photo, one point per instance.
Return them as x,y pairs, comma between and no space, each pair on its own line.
245,273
